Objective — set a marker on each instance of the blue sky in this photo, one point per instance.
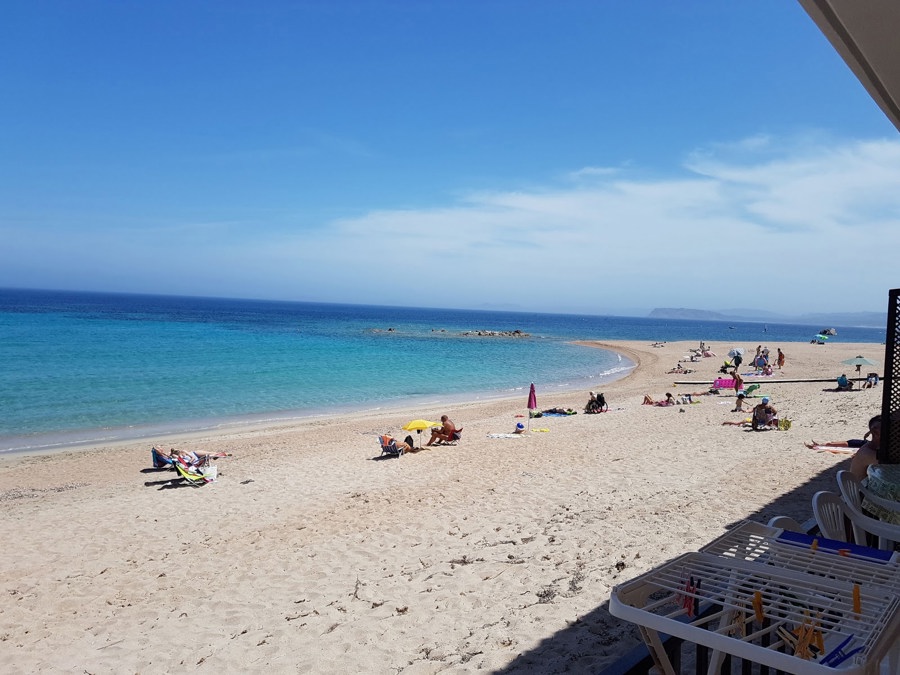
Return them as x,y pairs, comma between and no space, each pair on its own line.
573,156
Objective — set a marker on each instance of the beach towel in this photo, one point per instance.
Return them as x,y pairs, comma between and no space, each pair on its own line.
833,450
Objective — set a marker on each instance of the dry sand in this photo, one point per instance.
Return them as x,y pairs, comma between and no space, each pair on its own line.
309,555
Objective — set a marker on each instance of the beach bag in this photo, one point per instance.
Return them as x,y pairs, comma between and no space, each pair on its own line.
784,424
210,473
409,441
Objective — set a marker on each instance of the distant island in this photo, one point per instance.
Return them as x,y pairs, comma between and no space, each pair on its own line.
858,319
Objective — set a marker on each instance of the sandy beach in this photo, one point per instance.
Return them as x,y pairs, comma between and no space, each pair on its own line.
310,555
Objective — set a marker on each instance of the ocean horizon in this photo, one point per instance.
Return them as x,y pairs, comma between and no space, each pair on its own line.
93,368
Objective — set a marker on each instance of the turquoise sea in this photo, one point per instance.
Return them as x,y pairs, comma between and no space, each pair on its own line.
90,367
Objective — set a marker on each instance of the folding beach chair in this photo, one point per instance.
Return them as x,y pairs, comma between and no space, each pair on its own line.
389,447
160,461
195,476
454,437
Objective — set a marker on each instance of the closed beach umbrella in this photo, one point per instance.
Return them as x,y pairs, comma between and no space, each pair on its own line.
859,362
419,426
532,402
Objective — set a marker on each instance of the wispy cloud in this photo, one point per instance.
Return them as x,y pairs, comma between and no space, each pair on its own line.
781,224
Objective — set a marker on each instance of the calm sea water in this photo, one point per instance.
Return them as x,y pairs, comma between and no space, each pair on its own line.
86,368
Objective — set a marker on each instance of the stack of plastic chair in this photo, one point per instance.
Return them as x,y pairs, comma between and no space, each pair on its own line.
830,510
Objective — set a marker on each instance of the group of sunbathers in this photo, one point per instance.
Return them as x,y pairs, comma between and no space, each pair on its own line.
446,433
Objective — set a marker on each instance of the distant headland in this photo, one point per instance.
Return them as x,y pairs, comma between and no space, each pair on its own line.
859,319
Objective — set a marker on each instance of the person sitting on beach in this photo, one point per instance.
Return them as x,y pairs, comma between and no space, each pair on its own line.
520,428
871,381
764,415
867,455
739,404
444,433
596,403
843,384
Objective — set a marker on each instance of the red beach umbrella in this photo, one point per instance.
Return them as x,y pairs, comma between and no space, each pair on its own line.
532,403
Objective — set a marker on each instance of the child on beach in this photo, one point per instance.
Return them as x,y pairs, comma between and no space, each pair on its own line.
739,404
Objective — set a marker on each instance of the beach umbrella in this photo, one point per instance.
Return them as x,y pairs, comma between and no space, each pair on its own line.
419,426
532,403
736,351
859,362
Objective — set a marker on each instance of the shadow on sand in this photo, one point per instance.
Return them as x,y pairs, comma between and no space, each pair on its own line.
587,645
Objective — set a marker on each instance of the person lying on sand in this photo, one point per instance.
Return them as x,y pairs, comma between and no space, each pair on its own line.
670,400
852,443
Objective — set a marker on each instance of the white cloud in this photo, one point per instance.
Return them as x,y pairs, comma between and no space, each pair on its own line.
788,226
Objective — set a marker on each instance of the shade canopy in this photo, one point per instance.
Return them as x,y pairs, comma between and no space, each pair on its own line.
864,33
859,361
418,425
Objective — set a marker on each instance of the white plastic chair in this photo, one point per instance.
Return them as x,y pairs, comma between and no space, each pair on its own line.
851,492
828,509
856,493
850,488
785,523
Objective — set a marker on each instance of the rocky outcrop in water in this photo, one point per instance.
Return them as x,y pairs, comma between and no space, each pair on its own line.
495,333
